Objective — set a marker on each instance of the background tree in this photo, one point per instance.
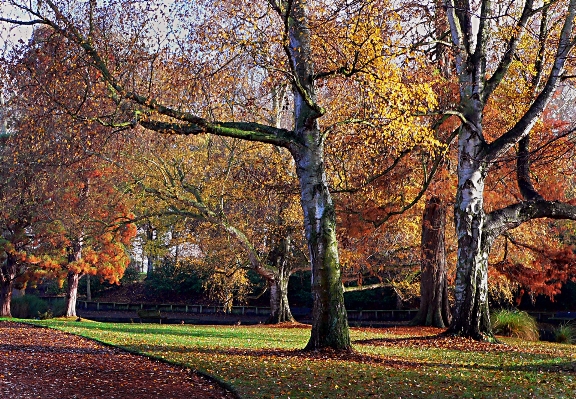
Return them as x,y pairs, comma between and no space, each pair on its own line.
74,217
216,190
293,42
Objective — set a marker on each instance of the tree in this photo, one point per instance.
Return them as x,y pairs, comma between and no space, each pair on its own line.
23,193
434,305
82,223
221,209
480,72
290,41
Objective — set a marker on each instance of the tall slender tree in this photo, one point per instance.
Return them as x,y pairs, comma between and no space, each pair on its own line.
481,67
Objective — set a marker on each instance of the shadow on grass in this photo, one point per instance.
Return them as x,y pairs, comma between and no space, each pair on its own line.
171,329
551,366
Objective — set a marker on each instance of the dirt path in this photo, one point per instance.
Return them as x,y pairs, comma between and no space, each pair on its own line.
44,363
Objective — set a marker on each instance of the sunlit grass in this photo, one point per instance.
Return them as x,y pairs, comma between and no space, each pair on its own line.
264,362
514,323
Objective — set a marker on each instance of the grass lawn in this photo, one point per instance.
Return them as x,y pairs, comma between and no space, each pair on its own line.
265,362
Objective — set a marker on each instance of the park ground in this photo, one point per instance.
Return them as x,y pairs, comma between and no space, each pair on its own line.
266,362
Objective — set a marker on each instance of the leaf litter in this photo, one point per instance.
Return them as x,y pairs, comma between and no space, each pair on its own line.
43,363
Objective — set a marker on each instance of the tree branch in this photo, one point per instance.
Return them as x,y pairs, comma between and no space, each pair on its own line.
508,56
502,220
566,43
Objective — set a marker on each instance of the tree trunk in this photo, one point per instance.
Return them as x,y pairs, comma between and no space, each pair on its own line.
75,254
279,307
6,298
88,289
434,305
8,274
329,318
471,316
72,293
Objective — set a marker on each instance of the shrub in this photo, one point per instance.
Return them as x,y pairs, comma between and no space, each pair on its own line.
131,276
169,279
28,307
514,323
565,333
58,307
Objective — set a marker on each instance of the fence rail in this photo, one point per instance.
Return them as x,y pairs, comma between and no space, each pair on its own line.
353,315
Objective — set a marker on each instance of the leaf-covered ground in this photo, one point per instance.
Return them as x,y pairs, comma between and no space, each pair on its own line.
45,363
263,362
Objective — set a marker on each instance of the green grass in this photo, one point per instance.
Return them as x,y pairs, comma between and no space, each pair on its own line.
514,323
565,333
263,362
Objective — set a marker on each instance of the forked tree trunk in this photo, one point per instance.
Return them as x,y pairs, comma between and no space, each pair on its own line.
475,155
279,307
434,305
72,293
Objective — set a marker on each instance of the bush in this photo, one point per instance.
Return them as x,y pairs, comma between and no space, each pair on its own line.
28,307
57,306
131,276
169,279
514,323
565,333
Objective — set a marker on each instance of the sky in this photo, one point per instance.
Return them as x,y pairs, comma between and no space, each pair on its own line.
12,33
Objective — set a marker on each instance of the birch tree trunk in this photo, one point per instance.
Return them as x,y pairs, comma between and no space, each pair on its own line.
475,231
471,315
329,317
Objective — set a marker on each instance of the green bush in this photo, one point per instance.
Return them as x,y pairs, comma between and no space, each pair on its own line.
28,307
514,323
57,306
565,333
170,279
132,275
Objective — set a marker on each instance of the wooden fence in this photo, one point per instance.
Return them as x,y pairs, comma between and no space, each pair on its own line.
355,315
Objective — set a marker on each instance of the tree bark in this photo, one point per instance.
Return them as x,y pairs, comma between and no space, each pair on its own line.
434,305
88,289
73,277
72,293
6,298
8,274
279,306
471,315
329,317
